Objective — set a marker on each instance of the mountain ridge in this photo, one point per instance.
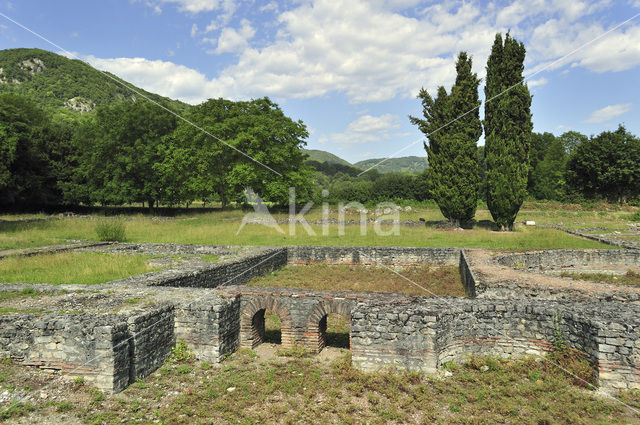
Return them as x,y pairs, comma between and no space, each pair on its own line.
66,86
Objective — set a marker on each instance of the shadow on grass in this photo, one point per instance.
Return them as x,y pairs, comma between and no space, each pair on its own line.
11,226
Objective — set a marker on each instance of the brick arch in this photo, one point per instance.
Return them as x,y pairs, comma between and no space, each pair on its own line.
315,334
252,322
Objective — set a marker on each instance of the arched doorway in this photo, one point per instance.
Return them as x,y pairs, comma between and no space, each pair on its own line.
329,324
335,331
265,321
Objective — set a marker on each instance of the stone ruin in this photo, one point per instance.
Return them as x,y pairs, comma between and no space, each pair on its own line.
514,307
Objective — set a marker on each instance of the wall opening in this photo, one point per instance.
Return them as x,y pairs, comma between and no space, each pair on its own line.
266,326
335,331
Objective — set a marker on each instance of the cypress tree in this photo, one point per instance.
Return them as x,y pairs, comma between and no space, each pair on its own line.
507,128
452,125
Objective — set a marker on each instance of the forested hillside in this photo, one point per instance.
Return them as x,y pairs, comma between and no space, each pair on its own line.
324,156
64,86
406,164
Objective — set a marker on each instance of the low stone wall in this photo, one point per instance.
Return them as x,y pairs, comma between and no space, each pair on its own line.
94,347
210,326
371,255
397,335
107,350
466,275
569,258
151,340
234,272
422,335
387,329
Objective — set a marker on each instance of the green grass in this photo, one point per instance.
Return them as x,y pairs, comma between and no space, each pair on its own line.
435,279
67,268
221,228
303,389
24,293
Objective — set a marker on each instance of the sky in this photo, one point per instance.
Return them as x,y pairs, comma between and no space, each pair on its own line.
351,69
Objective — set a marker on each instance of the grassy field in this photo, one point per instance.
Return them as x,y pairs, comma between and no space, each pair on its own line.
223,228
247,389
67,268
436,280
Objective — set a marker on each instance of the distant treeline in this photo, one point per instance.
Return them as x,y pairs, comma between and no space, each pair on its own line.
135,152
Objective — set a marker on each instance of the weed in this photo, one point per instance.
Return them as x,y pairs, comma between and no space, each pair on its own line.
16,410
181,353
64,406
184,369
573,363
111,230
296,351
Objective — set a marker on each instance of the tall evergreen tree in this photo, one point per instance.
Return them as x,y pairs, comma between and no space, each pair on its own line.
507,127
452,124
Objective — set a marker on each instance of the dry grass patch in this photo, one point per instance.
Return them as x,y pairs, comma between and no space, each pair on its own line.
440,280
246,389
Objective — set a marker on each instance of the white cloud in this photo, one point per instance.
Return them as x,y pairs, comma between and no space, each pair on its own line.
618,51
213,25
234,41
365,129
194,30
370,50
537,83
608,113
371,54
192,6
164,78
271,6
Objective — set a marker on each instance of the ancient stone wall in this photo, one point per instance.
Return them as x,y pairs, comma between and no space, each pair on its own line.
210,326
422,335
387,255
152,337
387,329
234,272
94,347
108,350
569,259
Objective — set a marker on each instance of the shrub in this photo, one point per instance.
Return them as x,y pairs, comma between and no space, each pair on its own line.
111,231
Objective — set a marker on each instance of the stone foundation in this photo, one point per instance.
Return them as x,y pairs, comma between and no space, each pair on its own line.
387,329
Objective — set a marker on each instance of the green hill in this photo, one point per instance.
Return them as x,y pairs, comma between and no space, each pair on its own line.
323,156
406,164
65,86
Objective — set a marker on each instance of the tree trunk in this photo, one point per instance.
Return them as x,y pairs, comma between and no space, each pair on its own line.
223,199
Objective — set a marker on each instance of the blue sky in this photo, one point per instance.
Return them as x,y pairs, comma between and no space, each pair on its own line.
350,69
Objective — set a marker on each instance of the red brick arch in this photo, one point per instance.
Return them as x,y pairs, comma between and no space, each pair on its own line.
315,333
252,322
